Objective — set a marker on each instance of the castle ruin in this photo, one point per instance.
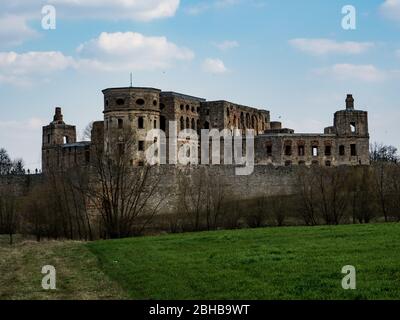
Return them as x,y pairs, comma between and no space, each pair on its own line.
144,109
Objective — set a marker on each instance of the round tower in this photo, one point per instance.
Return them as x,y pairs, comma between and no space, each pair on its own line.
129,114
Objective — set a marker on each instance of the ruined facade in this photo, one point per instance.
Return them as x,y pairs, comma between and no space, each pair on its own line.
143,109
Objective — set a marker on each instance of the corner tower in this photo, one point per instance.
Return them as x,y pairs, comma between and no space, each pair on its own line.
55,135
351,128
129,114
351,122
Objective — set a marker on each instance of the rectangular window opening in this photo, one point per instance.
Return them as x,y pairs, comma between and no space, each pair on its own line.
269,150
314,151
353,127
141,123
353,148
328,150
141,145
288,150
120,123
301,151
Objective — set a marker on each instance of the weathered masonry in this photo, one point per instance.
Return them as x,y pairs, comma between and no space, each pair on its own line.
144,109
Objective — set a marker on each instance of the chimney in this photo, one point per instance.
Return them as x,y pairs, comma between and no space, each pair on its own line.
58,115
349,102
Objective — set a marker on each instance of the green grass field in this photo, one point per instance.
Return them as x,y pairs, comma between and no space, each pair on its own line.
271,263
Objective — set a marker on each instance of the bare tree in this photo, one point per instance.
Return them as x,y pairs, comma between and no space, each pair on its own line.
5,162
216,194
332,195
381,186
125,196
306,182
192,195
257,215
9,217
280,206
362,198
383,153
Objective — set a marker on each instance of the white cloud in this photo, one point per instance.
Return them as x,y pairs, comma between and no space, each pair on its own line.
214,66
210,5
227,45
365,73
327,46
20,69
14,30
130,51
391,9
109,52
143,10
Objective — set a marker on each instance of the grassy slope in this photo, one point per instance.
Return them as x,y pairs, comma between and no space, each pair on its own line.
281,263
78,274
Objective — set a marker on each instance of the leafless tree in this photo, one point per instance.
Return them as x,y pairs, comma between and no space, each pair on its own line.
332,195
192,195
306,182
9,216
5,162
215,200
382,187
125,196
383,153
259,211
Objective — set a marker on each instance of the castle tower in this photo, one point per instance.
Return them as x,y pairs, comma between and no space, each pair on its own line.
351,122
351,127
55,135
129,114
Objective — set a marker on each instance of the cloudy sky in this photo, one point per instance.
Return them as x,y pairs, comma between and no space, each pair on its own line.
290,57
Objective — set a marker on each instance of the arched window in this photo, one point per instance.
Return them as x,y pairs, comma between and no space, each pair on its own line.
206,125
187,123
193,124
182,123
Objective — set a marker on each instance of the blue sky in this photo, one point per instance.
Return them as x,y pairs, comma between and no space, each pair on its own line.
290,57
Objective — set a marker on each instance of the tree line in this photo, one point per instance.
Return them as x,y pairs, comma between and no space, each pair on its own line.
112,199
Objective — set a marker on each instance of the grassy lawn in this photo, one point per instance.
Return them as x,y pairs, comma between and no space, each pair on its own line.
272,263
281,263
78,275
